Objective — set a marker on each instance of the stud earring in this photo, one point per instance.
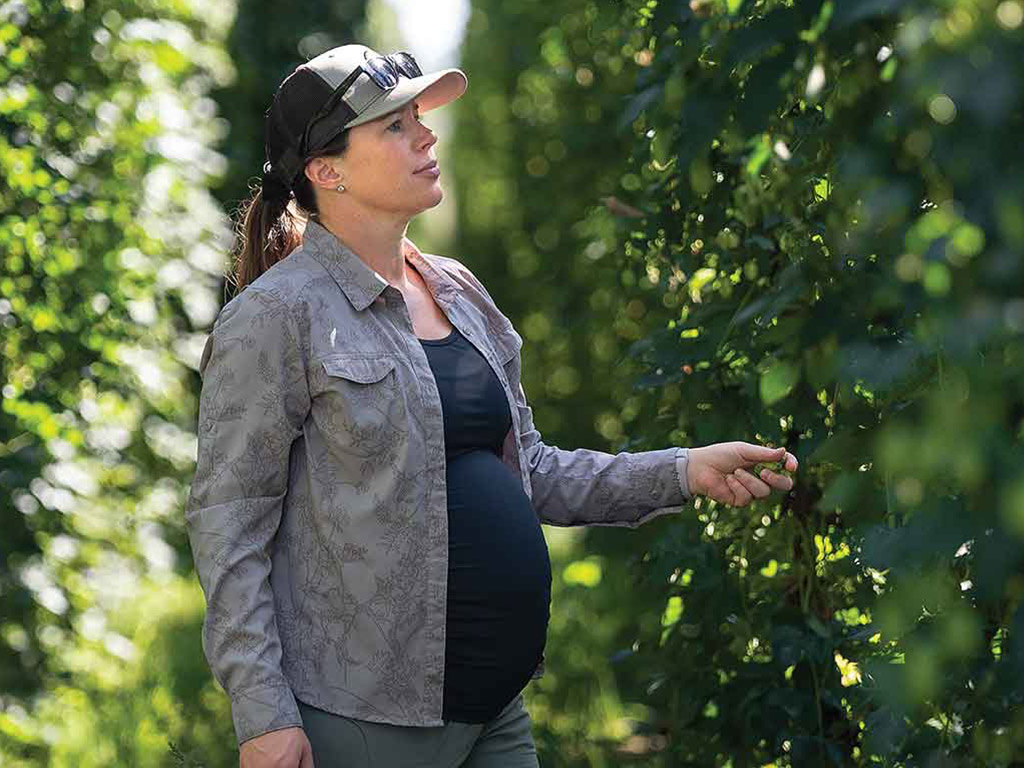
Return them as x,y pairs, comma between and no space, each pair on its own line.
341,187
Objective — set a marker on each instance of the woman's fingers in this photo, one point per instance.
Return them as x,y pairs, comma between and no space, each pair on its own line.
745,487
781,482
752,484
741,496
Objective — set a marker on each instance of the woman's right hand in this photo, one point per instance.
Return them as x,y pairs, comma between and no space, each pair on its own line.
283,748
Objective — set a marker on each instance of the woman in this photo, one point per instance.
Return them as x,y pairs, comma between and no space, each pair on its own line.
365,511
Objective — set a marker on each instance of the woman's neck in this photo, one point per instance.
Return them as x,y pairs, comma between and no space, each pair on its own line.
378,243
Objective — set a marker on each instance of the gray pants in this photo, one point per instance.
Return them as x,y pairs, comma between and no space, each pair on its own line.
343,742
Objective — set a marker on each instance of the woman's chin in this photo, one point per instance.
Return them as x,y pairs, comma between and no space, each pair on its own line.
435,198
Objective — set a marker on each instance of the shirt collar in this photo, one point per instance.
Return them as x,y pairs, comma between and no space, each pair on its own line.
360,282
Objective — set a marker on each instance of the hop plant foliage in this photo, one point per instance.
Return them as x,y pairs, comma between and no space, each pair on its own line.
111,253
840,185
823,204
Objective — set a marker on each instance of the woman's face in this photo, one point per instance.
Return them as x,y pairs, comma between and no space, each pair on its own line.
379,167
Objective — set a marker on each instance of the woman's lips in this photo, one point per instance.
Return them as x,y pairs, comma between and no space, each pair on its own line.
430,170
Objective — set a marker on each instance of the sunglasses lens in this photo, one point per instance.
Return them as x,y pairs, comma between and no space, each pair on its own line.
406,64
382,72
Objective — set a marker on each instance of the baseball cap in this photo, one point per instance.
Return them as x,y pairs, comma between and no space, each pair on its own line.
342,88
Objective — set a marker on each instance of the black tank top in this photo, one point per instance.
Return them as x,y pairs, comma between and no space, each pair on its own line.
499,574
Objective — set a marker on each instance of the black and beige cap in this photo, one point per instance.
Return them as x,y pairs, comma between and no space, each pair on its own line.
336,79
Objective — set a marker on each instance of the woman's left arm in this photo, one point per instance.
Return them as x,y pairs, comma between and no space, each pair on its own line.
588,487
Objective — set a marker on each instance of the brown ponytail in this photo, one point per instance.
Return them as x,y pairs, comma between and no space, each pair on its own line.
270,229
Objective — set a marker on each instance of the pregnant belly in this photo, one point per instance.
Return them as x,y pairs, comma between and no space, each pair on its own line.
499,588
497,551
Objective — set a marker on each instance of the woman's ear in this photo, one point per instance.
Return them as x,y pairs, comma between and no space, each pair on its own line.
321,172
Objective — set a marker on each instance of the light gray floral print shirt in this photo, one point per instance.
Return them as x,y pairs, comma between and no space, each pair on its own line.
317,515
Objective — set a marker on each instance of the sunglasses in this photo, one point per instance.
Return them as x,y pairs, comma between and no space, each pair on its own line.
383,71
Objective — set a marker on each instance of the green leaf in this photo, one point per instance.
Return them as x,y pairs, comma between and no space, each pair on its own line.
762,151
778,381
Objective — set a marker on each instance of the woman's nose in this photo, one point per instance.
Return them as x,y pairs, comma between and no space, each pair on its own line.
431,138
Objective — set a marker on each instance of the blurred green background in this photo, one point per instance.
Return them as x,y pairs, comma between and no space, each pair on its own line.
790,222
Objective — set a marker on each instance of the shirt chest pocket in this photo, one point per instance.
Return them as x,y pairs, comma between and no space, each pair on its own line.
360,405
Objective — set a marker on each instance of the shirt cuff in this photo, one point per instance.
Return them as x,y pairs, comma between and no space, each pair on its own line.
264,709
682,457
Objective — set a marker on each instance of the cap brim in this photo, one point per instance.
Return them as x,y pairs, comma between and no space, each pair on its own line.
431,91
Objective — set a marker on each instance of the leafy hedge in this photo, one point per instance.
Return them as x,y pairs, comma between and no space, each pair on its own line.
823,218
833,194
110,254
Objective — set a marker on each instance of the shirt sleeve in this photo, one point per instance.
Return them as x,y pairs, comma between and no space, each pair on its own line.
252,407
589,487
682,458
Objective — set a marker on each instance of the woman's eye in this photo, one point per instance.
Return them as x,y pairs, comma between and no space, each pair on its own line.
399,122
